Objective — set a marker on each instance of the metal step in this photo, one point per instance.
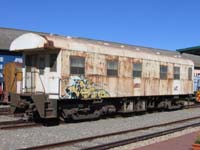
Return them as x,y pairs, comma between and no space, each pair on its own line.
49,112
46,108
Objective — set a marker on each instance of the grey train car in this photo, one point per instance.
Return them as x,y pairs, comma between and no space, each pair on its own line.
77,78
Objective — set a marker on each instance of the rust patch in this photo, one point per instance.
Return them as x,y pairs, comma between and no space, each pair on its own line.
136,85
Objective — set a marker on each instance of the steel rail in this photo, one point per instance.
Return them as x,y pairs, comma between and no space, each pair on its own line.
70,142
20,125
139,138
16,124
192,106
11,122
5,113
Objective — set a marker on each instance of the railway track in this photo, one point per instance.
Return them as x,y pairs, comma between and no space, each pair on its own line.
5,113
192,106
9,125
102,146
4,110
16,124
139,138
11,122
21,125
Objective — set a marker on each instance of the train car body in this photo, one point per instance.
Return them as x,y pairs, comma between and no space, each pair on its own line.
76,77
197,84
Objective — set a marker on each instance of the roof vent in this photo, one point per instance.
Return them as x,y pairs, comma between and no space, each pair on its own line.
137,49
69,37
158,53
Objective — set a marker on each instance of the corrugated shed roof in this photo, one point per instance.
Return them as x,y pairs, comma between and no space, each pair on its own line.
190,50
7,36
194,58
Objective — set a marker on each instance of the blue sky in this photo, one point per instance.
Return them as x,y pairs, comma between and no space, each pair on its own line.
166,24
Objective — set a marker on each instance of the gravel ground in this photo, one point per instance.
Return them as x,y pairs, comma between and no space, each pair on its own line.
14,139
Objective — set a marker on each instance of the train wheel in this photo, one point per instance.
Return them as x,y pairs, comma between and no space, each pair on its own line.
36,117
62,116
51,122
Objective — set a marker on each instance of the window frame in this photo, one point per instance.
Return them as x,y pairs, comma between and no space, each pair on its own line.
190,73
75,67
163,75
112,72
41,60
176,75
137,72
53,68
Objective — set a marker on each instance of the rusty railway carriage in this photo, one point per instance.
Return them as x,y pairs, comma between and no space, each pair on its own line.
65,77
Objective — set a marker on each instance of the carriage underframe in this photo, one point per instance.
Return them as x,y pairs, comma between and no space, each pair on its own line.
38,106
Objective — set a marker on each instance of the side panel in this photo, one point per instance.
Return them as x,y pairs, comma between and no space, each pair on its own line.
124,84
177,87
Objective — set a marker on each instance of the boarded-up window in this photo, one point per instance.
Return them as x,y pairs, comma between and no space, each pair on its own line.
53,62
176,73
112,68
163,72
190,73
77,65
137,70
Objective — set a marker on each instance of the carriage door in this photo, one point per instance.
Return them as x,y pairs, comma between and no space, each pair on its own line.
41,80
53,77
47,80
30,62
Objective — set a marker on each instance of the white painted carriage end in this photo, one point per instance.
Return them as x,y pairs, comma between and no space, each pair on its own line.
28,41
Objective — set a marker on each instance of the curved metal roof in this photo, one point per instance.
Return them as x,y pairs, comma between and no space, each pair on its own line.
32,41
